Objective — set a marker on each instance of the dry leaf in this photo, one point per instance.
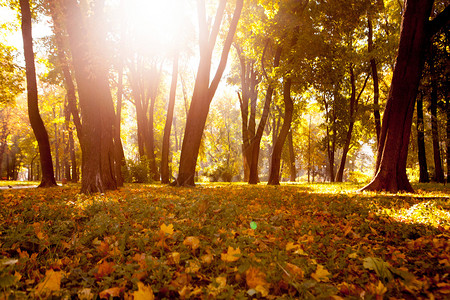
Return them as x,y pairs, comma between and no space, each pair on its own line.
167,229
144,292
192,242
110,293
231,255
50,283
321,274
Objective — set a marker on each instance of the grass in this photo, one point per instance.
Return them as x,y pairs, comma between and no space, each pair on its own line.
225,241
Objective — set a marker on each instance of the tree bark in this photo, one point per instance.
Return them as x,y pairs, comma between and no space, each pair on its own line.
48,177
165,174
376,88
352,112
204,90
423,177
392,151
438,170
448,138
97,141
119,155
274,174
256,140
292,170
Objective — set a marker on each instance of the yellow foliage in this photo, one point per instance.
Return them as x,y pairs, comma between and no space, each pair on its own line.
192,241
168,229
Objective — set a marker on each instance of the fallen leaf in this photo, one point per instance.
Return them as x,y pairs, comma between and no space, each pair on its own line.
321,274
231,255
111,293
51,282
167,229
192,241
104,269
256,280
144,292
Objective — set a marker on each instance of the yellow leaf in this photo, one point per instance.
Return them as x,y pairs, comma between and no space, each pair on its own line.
50,283
192,241
291,245
222,281
231,255
144,292
353,255
254,277
193,267
207,258
174,258
167,229
264,292
321,274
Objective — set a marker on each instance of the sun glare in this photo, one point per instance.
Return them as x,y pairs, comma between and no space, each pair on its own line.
158,25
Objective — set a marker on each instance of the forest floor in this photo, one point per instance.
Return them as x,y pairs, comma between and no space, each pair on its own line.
237,241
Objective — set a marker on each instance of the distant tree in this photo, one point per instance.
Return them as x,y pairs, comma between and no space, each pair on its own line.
423,168
204,89
416,31
48,177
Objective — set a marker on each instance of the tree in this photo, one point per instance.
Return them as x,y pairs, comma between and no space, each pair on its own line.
204,90
48,177
416,31
97,142
423,168
167,128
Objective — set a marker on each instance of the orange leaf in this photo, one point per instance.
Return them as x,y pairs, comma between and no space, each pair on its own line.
104,269
111,293
167,229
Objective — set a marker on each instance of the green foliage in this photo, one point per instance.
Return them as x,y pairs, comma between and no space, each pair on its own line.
138,171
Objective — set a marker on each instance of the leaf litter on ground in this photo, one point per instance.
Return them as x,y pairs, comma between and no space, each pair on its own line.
225,241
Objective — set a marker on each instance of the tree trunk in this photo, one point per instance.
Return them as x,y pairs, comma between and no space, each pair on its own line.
376,89
438,170
448,139
292,170
421,142
353,111
274,175
256,140
392,152
119,155
97,141
165,174
204,90
48,177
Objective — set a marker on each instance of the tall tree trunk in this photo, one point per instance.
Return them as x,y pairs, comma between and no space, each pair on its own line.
165,174
421,142
397,119
97,141
376,88
48,177
438,170
274,175
352,112
119,155
448,138
292,170
255,142
204,90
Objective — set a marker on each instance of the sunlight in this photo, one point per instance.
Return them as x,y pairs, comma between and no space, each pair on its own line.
157,25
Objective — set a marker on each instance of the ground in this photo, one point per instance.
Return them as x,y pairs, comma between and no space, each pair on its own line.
225,241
